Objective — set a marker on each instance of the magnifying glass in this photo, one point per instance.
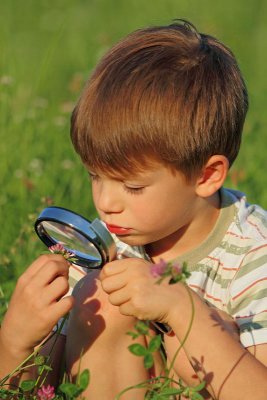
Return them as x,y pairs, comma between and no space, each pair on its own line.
90,242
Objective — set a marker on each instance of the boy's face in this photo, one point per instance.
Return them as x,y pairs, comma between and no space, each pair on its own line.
151,206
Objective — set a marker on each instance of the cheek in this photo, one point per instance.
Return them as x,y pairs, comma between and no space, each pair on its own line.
162,213
95,195
149,214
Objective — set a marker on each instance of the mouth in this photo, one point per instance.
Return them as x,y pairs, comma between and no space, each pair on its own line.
118,230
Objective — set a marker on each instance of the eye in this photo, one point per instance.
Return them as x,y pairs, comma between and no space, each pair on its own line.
92,176
134,190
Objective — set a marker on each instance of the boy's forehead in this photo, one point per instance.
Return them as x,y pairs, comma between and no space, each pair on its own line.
138,170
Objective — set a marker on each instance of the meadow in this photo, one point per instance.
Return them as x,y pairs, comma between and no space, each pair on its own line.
47,51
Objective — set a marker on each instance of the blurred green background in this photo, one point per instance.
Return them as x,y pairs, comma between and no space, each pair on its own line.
47,50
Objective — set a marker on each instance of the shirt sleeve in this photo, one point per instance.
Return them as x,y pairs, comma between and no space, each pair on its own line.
248,297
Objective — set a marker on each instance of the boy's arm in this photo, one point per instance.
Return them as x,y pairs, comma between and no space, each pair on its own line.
35,307
10,360
182,366
215,353
231,371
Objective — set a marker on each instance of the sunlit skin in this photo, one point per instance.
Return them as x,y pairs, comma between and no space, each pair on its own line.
169,216
157,208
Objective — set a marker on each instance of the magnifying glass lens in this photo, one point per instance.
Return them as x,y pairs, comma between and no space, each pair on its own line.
71,240
90,242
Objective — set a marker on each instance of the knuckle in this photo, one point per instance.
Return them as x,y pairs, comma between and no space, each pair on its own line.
22,280
137,302
105,285
28,291
52,267
56,266
105,271
58,263
44,258
113,300
137,287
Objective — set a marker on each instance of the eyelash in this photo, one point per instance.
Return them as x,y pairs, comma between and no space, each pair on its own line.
132,190
93,177
128,189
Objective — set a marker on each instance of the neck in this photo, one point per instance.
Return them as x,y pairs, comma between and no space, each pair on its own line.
189,236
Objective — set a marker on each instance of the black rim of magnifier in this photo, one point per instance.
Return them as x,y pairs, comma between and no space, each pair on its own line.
48,241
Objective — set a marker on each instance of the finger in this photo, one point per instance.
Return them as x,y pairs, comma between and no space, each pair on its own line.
58,288
128,309
40,262
50,271
119,297
61,308
113,283
113,268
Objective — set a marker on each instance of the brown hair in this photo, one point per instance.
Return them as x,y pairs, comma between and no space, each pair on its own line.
167,94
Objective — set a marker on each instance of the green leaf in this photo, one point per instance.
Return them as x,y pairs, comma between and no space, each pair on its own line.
154,343
43,368
175,279
84,379
137,349
70,389
186,391
199,387
47,368
142,327
148,361
168,391
197,396
134,335
26,386
40,370
6,394
39,360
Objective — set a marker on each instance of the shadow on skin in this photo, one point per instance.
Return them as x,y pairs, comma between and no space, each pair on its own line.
85,324
225,322
97,340
198,366
94,321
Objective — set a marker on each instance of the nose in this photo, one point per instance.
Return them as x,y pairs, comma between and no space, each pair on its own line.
107,197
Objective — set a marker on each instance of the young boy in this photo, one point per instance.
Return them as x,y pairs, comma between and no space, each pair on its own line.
158,126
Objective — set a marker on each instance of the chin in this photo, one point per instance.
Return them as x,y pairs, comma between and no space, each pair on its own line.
133,240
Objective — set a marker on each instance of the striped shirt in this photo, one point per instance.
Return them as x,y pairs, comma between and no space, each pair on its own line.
229,269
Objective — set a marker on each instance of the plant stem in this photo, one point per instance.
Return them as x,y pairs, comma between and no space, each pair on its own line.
187,332
22,364
57,333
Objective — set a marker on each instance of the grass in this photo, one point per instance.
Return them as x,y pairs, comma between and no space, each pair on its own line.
47,51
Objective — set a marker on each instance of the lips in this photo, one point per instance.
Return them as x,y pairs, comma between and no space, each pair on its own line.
118,230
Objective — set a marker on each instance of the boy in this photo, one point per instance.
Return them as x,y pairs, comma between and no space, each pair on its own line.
158,126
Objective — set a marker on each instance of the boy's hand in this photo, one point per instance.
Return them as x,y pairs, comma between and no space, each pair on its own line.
134,290
37,304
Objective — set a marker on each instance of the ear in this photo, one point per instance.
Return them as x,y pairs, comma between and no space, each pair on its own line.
212,176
